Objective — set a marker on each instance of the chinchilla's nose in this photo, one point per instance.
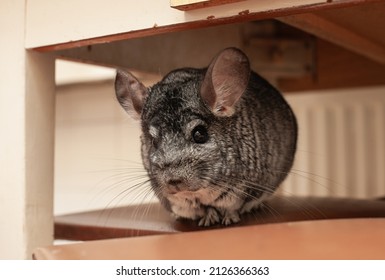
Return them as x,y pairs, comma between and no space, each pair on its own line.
177,184
174,182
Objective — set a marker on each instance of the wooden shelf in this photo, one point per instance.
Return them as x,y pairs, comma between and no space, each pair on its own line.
342,239
349,49
64,27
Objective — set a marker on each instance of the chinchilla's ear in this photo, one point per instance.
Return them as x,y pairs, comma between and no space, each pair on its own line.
130,93
225,81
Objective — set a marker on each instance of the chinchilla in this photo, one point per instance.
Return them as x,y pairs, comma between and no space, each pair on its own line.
216,142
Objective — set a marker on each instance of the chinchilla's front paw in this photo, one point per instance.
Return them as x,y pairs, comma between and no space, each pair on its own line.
231,217
210,218
213,217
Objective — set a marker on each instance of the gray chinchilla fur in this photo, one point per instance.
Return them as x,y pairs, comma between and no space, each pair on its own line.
216,142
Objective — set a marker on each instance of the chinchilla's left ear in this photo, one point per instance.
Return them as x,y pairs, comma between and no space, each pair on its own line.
225,81
131,93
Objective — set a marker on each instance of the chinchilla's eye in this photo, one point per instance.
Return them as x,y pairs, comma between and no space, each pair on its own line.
154,143
199,134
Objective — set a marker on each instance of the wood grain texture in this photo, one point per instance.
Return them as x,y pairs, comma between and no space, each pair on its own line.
359,29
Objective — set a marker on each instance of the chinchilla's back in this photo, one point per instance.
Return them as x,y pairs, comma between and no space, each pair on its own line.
260,141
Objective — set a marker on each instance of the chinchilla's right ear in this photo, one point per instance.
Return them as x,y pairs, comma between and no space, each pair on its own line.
130,92
225,81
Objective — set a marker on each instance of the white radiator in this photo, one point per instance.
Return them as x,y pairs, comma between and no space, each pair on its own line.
341,146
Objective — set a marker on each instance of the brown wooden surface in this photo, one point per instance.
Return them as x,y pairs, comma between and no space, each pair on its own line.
327,239
152,219
359,28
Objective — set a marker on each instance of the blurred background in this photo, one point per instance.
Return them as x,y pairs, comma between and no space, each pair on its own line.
340,153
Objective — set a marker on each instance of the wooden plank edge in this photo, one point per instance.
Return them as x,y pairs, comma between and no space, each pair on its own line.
194,5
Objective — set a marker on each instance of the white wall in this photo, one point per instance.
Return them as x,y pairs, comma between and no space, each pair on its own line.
94,139
26,141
